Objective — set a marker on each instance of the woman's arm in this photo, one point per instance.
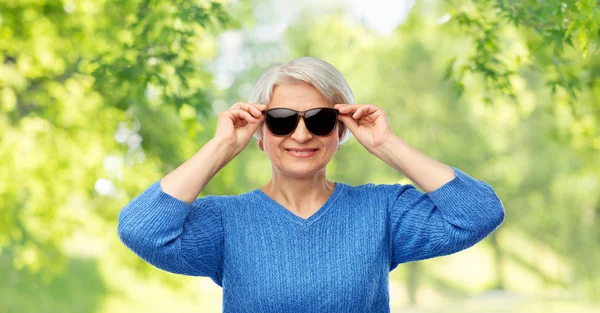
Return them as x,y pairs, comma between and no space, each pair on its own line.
455,212
174,235
187,181
452,218
426,172
168,227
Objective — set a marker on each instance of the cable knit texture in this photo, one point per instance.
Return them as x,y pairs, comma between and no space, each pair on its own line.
267,259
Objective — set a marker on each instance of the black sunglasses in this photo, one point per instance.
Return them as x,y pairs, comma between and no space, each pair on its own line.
318,121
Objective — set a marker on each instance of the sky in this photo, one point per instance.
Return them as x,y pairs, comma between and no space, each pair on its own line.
274,16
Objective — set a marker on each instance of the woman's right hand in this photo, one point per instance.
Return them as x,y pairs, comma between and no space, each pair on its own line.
237,124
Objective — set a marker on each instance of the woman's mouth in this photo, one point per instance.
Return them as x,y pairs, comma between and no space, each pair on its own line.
302,153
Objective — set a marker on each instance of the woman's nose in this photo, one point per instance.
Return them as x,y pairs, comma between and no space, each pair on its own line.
301,133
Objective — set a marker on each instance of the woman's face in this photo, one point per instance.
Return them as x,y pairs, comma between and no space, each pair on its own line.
300,97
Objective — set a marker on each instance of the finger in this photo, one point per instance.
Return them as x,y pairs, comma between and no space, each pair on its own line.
260,106
349,122
253,109
347,108
247,107
242,115
252,127
364,111
339,105
236,105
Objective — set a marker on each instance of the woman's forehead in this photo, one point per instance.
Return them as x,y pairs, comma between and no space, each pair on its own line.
298,96
299,106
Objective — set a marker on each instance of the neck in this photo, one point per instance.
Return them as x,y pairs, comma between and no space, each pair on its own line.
300,194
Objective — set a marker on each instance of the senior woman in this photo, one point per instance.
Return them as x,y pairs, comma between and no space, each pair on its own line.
303,243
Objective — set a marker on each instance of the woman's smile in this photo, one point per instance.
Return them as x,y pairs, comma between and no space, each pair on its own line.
302,153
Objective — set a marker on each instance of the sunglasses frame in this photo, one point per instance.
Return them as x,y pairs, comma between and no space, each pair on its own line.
302,114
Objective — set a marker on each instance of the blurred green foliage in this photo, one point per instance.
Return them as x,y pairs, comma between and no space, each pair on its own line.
549,27
556,40
99,99
77,80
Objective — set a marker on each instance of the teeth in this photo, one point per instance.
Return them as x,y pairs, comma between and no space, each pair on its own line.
302,152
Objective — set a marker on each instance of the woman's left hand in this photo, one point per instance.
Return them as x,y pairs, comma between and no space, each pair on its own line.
368,123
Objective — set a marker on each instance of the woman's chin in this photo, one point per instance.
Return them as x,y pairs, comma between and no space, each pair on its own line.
301,171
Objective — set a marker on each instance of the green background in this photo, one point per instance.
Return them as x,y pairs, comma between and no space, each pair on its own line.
98,99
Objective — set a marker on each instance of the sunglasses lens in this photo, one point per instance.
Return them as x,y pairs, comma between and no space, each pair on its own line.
281,122
321,122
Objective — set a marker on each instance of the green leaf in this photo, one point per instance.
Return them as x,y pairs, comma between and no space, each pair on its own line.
583,41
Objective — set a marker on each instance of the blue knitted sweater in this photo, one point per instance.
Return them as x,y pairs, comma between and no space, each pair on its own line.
267,259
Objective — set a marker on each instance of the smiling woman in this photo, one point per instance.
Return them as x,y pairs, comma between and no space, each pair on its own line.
312,87
296,178
303,243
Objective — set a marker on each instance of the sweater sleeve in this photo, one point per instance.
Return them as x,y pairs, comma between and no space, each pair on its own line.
172,234
449,219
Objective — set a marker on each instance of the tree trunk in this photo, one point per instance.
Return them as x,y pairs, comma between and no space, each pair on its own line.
498,260
412,281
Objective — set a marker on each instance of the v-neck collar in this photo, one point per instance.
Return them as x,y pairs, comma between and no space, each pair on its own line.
337,191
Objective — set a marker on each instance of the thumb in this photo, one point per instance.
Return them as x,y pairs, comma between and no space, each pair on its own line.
349,122
252,127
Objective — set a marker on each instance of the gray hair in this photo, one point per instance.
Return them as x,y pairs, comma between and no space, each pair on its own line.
320,74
